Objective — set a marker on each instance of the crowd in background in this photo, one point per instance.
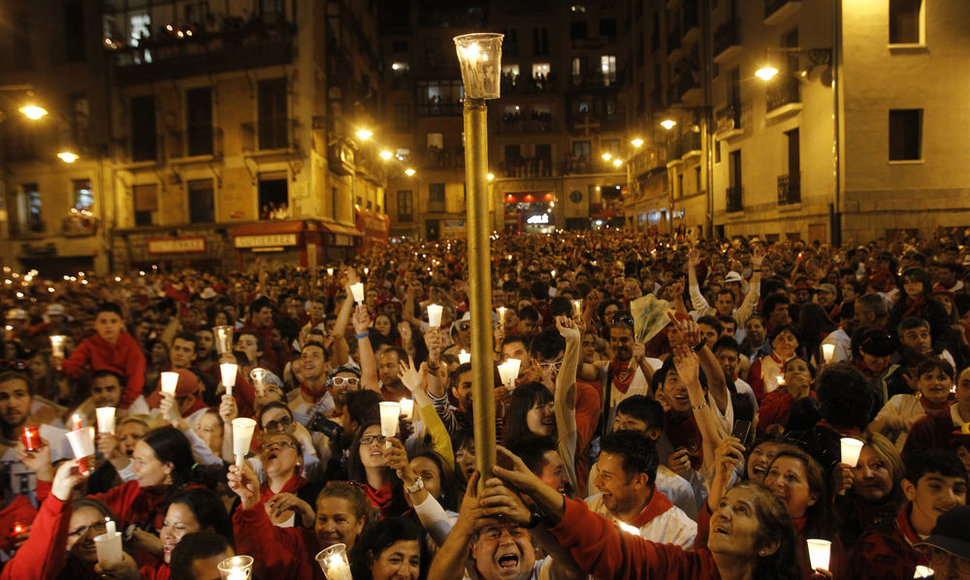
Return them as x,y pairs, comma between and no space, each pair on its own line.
712,449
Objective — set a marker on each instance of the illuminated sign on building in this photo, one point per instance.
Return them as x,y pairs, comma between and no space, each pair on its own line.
538,219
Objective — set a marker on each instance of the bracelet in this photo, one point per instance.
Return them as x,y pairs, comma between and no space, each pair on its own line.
699,407
362,335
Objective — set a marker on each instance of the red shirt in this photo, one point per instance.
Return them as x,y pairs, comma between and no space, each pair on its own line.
278,552
43,554
124,357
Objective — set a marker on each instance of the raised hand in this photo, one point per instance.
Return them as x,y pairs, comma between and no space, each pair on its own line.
687,364
243,482
567,328
37,461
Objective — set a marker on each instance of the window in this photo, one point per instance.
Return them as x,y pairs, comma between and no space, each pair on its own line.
405,206
272,114
139,30
146,204
608,68
510,72
80,113
31,206
510,44
789,185
436,140
735,190
436,197
608,28
578,65
439,98
906,21
83,195
540,70
144,136
540,41
202,208
905,134
274,195
402,117
581,150
403,154
74,31
198,118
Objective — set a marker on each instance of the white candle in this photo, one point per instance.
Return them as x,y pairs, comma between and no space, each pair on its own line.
828,352
464,357
110,525
358,291
170,381
333,561
578,307
330,272
851,448
242,437
106,419
407,408
501,315
223,339
818,553
228,371
258,375
236,568
57,345
505,372
108,548
514,365
390,414
434,315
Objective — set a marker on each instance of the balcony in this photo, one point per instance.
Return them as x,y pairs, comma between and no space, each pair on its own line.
692,27
727,42
674,50
438,158
197,142
274,135
783,98
789,189
733,199
727,122
237,45
518,123
777,11
527,167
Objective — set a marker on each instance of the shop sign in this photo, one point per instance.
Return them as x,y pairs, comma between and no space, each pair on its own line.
265,240
538,219
188,245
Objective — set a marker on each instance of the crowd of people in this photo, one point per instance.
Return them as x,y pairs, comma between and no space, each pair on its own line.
710,449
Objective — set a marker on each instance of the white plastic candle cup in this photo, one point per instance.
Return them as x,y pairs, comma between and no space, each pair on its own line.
333,561
434,315
223,339
108,547
106,419
851,448
407,408
228,371
464,357
480,59
514,365
57,345
236,568
818,553
828,352
170,381
578,307
501,315
358,291
242,436
258,375
390,414
330,272
505,373
81,443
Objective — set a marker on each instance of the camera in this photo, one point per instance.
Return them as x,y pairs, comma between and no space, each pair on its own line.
331,429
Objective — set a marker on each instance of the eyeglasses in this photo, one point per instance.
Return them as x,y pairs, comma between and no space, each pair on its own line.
939,560
279,425
349,381
14,365
369,439
277,446
98,527
464,327
621,320
555,365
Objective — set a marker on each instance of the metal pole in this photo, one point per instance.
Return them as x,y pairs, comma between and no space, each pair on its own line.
480,283
707,126
836,221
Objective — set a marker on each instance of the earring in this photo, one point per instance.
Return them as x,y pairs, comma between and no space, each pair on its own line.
168,479
762,553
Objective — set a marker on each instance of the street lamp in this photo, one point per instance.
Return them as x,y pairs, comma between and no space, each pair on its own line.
668,124
480,57
409,172
67,157
364,134
636,142
33,112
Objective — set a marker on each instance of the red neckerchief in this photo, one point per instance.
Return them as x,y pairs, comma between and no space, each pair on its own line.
315,397
621,374
914,305
380,498
905,526
931,407
292,485
657,505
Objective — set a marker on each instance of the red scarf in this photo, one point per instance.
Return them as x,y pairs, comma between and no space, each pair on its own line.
914,306
380,498
622,374
315,397
292,485
657,505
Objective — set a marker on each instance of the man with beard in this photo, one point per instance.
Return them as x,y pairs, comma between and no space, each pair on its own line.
16,397
628,494
628,374
106,388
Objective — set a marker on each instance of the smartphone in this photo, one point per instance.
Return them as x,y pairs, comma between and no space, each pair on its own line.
741,430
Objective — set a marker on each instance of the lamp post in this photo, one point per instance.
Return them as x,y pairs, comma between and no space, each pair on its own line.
480,57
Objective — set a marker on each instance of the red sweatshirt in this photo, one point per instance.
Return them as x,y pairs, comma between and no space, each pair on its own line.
598,546
43,554
278,552
19,510
132,504
124,357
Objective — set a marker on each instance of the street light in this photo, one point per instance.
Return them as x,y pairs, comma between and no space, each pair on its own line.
668,124
409,172
67,157
386,155
636,142
364,134
480,58
766,73
33,112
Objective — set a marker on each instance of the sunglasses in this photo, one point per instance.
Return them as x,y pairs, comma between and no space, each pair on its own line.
555,365
278,425
349,381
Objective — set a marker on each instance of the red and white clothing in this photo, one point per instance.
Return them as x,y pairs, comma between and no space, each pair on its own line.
660,520
124,357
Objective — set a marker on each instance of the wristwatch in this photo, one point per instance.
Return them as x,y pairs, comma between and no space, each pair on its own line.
415,487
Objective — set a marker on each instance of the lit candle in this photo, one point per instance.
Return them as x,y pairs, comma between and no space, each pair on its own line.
228,371
258,375
578,307
236,568
407,408
77,423
242,437
110,525
434,315
223,339
330,272
106,419
390,414
828,352
31,437
851,448
464,357
505,372
19,528
514,365
57,345
818,553
501,315
170,381
333,561
358,291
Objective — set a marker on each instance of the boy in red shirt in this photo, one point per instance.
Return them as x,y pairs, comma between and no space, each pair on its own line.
111,348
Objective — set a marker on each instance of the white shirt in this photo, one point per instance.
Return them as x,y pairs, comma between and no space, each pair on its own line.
671,527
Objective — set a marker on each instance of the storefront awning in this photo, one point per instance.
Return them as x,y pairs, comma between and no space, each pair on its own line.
268,228
340,229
